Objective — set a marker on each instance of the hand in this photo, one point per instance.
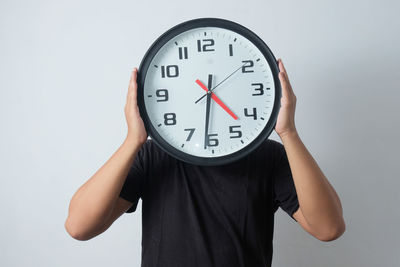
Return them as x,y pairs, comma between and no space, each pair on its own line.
285,122
136,131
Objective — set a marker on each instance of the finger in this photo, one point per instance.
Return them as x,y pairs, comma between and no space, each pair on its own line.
129,88
284,83
285,75
132,82
132,90
283,70
281,66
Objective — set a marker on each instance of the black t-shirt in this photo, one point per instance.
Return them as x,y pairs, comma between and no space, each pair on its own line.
209,216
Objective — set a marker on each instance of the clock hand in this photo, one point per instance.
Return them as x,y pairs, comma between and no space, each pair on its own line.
216,99
207,110
220,83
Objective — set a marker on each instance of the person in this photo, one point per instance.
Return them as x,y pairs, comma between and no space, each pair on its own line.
208,215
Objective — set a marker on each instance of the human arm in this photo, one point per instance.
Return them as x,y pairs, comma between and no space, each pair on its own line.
96,204
320,212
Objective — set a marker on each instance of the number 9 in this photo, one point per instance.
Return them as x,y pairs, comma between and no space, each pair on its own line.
162,93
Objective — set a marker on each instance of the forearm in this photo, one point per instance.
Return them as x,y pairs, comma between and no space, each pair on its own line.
93,202
318,201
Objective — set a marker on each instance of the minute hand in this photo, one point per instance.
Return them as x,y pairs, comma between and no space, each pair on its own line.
220,83
207,111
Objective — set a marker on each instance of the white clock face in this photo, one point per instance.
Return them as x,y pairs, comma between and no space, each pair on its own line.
241,82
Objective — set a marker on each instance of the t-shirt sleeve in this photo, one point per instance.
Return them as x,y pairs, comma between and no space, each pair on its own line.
284,190
132,188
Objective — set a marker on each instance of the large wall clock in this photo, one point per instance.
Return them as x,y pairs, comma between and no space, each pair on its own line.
208,91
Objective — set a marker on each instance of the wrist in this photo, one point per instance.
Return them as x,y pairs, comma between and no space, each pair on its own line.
134,141
292,134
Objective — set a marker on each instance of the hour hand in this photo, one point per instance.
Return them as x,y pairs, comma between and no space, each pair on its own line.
212,89
216,99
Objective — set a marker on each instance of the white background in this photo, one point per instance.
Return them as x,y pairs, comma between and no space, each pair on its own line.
64,72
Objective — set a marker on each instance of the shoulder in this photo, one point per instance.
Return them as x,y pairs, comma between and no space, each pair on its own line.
265,156
272,143
153,154
151,147
269,148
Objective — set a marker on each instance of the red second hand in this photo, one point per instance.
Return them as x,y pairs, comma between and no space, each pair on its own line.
216,99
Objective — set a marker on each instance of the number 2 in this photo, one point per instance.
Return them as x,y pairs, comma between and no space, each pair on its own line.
249,64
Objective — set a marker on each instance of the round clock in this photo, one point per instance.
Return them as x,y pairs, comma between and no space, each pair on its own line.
208,91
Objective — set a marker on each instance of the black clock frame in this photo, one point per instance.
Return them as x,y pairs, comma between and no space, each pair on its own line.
160,42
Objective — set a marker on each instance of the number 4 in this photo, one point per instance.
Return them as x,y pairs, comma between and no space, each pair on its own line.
254,114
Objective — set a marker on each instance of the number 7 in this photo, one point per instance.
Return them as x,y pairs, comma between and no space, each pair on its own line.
191,131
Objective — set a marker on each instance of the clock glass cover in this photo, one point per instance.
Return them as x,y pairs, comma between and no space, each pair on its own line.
209,94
